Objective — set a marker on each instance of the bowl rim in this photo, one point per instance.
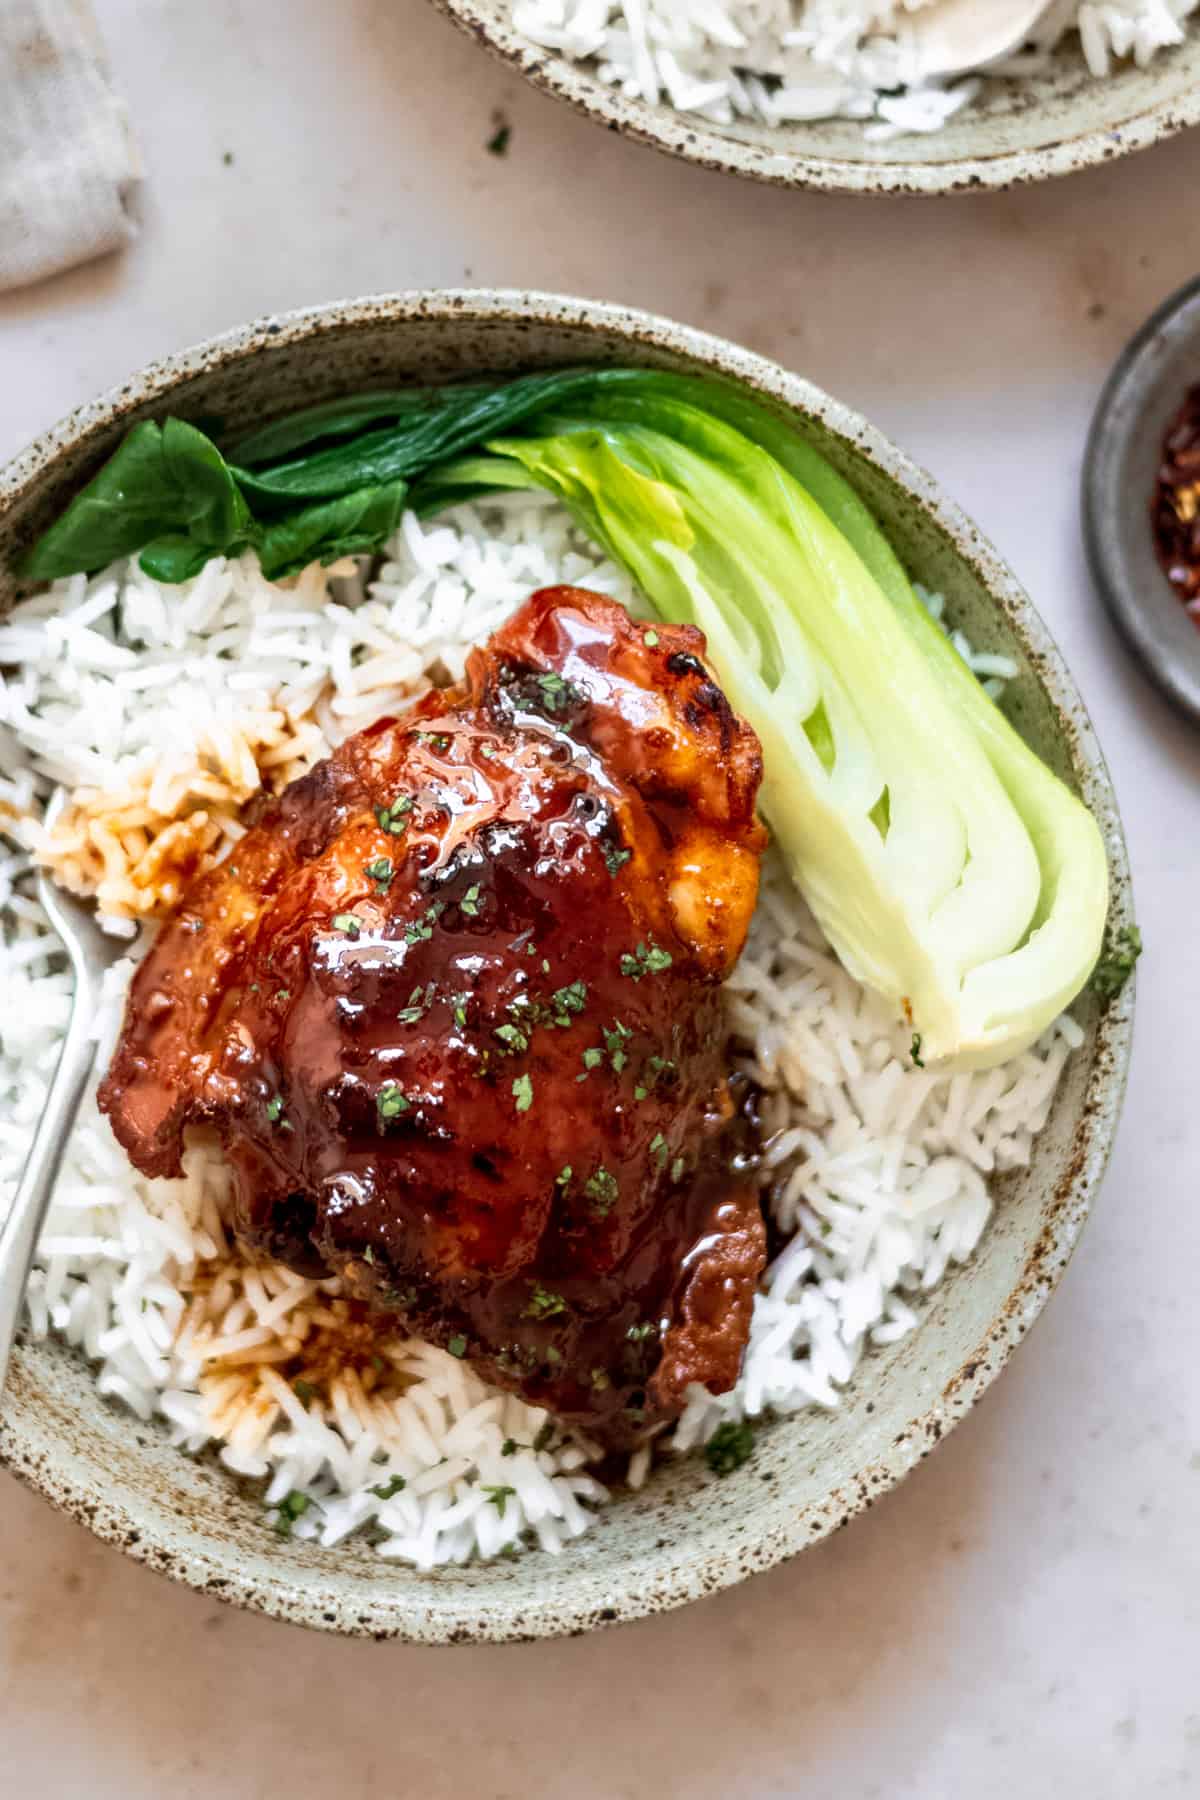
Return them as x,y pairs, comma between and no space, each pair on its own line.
705,1564
1128,394
695,140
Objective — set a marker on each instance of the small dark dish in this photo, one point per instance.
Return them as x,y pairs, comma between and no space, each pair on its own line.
1139,401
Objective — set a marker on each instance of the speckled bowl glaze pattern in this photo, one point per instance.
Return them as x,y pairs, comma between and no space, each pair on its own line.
1017,131
687,1533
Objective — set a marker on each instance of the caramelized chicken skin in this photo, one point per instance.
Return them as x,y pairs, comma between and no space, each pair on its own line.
453,1005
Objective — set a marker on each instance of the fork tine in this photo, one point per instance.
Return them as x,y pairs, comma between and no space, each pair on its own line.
91,949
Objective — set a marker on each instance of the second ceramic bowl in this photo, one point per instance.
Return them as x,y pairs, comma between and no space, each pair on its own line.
1049,124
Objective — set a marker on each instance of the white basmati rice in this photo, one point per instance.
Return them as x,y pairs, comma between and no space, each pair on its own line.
877,1169
781,61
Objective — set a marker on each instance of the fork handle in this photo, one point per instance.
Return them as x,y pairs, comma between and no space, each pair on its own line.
22,1228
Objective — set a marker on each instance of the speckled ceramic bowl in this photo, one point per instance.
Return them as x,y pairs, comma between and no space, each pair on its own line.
1018,131
688,1532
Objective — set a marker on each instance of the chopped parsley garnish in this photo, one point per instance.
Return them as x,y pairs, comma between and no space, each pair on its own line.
457,1345
459,1004
391,1101
545,1435
556,692
647,959
386,1489
567,1001
513,1038
395,818
1116,965
660,1149
659,1069
489,752
422,928
637,1334
500,1496
915,1050
292,1507
509,1447
677,1168
275,1108
437,740
650,639
639,1092
522,1091
284,994
614,857
602,1190
381,872
418,1004
348,923
369,1255
542,1304
518,1359
729,1447
304,1391
563,1177
591,1059
615,1039
470,901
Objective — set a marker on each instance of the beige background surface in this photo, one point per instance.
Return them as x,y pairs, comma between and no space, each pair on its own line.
1021,1618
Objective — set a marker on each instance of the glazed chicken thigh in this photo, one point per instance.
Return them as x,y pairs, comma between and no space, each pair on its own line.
453,1005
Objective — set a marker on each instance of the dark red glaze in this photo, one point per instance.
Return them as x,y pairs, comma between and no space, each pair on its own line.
453,1005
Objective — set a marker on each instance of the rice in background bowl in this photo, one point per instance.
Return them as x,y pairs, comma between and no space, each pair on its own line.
687,1531
1058,118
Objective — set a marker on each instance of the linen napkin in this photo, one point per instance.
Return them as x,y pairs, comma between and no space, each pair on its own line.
68,162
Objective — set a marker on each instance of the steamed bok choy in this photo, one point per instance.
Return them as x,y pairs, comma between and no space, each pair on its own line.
950,869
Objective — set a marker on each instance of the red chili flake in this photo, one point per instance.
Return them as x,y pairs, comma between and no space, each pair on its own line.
1175,508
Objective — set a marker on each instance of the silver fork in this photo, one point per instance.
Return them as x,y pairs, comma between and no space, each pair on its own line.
91,952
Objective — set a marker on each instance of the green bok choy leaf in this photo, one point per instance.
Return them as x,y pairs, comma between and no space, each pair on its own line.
166,491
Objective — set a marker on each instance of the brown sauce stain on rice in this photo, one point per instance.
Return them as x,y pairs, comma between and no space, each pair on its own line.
136,851
327,1340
